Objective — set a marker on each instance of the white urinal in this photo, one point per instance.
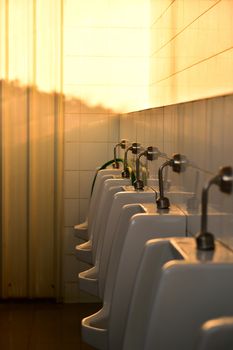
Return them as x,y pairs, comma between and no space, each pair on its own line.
86,251
93,279
101,206
177,289
216,334
81,230
105,329
90,220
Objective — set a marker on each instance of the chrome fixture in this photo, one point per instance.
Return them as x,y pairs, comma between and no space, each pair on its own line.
178,163
122,144
134,148
151,153
224,180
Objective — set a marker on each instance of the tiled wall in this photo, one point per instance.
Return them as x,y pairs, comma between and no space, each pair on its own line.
106,53
105,72
191,50
89,139
202,131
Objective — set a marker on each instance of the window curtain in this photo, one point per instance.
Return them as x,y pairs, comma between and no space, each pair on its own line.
31,165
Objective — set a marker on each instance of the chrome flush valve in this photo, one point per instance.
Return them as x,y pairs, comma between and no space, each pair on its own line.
134,148
151,153
224,180
122,144
178,163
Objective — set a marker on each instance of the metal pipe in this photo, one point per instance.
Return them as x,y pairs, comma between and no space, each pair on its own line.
178,164
134,148
122,145
204,239
162,202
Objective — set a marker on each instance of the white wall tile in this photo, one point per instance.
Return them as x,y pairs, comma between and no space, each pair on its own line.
92,155
148,138
71,184
94,128
111,151
106,41
227,156
182,72
71,268
85,41
157,120
72,156
127,129
94,105
86,180
70,241
140,127
72,105
83,209
120,13
109,98
113,128
87,70
215,130
71,292
86,13
121,41
72,125
71,212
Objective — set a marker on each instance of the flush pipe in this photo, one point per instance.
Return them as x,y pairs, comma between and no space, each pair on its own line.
151,153
204,239
178,163
134,148
122,144
144,174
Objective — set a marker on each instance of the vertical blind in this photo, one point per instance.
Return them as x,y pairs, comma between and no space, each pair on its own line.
31,113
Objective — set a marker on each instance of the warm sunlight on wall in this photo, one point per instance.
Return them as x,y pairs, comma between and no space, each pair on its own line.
30,49
106,47
2,39
191,50
20,35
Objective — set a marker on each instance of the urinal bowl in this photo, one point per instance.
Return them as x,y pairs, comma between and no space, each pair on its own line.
216,334
84,252
185,288
95,330
110,187
122,270
81,230
99,200
128,196
90,281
